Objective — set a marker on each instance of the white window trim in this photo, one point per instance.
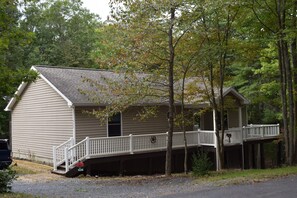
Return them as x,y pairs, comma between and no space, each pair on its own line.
107,132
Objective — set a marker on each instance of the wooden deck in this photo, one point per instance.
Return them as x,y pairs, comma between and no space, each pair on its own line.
68,153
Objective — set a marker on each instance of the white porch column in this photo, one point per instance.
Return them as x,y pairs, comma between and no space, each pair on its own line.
215,139
240,120
241,130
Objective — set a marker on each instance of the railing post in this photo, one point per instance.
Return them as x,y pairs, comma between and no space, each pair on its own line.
215,139
166,139
198,137
131,143
55,158
66,159
87,147
72,150
262,130
278,132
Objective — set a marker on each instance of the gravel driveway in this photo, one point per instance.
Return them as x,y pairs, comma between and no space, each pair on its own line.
153,187
45,184
108,187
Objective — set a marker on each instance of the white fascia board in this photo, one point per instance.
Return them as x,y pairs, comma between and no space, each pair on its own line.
17,93
69,103
24,84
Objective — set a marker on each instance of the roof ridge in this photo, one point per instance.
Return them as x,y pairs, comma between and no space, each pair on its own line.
87,69
73,68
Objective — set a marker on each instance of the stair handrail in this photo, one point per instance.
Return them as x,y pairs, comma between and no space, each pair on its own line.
58,152
69,154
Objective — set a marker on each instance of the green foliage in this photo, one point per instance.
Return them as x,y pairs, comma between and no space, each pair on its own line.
6,178
9,80
201,164
259,82
64,33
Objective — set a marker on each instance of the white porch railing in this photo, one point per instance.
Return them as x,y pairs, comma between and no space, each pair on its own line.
59,151
260,131
233,136
109,146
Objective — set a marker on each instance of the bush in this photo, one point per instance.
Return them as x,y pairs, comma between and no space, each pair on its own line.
6,178
201,164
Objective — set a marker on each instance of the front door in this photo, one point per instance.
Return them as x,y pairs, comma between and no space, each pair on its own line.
115,125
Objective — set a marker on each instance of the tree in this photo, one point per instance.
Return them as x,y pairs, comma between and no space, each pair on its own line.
278,18
151,31
216,30
12,41
64,32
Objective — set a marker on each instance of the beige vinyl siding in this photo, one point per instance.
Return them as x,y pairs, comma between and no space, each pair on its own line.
132,125
244,115
88,125
207,119
233,118
40,120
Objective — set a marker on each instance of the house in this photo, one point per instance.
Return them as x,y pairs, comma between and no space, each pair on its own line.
49,125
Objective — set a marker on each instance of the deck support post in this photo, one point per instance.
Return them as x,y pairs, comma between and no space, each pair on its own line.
131,143
279,153
258,156
66,160
262,156
54,158
121,171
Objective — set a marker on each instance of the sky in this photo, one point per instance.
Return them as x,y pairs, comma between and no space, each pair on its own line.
99,7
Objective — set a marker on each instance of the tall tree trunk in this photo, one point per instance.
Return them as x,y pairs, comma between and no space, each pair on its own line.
294,64
183,123
283,75
290,101
222,112
171,93
216,118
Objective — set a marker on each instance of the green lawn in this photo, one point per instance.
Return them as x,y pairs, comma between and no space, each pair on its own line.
22,170
247,176
15,195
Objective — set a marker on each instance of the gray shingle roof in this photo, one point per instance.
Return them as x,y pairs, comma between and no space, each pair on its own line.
70,82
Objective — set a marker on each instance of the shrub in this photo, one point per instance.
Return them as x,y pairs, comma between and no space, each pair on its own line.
6,178
201,164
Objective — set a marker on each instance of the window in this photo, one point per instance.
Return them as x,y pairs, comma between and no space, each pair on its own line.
114,125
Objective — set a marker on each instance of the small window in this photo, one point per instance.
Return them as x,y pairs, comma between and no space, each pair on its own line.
114,125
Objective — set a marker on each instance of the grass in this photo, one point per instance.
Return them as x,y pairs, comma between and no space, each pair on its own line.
247,176
22,171
16,195
23,167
